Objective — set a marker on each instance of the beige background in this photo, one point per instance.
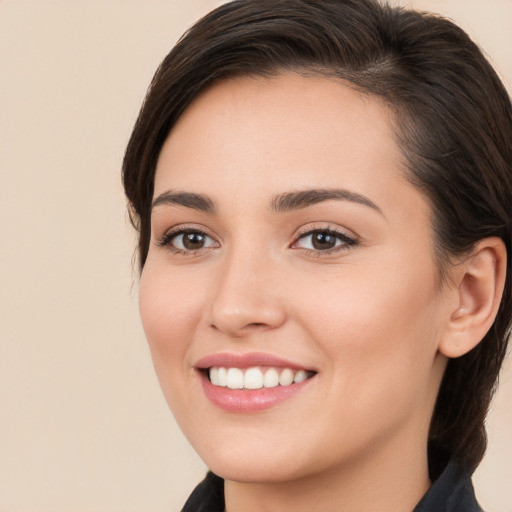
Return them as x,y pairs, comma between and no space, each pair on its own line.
83,426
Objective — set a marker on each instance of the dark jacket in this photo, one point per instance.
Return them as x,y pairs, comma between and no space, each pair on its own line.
451,492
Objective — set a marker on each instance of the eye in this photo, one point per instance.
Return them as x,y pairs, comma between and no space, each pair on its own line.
323,240
186,240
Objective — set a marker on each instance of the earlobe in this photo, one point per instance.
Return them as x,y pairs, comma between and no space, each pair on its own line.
480,280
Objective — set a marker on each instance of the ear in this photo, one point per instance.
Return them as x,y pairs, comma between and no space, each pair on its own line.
479,282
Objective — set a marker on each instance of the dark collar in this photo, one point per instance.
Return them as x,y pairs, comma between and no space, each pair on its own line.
208,496
451,492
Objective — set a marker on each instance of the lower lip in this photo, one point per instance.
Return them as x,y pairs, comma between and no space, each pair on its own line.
242,400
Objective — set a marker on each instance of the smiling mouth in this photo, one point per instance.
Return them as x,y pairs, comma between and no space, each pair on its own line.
256,377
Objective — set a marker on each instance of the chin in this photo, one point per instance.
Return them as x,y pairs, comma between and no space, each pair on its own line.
255,472
245,462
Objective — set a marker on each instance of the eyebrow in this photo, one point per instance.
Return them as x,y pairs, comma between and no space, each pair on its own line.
304,198
285,202
188,199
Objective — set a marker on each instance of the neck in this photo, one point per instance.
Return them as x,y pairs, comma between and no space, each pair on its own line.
392,479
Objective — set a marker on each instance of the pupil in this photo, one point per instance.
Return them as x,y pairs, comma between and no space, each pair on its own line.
193,241
323,241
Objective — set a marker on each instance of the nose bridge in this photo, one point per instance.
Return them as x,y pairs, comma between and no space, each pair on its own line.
247,296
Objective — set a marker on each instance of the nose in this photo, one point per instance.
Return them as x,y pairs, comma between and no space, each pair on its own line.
247,297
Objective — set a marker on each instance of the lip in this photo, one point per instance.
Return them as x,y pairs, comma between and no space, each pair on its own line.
231,360
247,401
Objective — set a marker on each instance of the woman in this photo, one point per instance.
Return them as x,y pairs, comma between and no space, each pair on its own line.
322,190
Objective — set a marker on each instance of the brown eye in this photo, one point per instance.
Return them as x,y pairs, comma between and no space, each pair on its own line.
193,240
323,240
190,240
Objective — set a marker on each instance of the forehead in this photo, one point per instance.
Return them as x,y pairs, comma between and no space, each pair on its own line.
289,131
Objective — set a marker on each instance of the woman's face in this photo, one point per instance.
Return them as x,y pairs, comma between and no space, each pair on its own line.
287,244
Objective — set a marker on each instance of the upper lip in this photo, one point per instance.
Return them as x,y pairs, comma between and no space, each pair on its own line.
231,360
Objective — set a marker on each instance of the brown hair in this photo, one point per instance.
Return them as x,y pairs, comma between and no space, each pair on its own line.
453,122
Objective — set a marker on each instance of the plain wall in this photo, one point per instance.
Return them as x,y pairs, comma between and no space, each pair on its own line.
83,425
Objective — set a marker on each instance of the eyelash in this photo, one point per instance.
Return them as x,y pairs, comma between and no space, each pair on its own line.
346,241
169,236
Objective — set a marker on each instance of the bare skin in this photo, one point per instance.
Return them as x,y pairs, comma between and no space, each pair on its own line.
345,287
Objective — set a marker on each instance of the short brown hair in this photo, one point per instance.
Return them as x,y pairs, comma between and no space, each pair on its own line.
453,121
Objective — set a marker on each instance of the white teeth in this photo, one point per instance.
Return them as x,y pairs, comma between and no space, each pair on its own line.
300,376
214,376
271,379
255,378
286,377
222,377
235,378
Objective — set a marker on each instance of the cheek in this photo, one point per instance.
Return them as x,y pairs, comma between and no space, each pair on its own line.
379,329
169,312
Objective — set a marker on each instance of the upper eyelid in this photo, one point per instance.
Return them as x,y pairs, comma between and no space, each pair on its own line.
183,227
308,229
178,228
172,232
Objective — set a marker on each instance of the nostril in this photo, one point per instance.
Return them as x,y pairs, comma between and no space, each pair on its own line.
246,316
242,330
